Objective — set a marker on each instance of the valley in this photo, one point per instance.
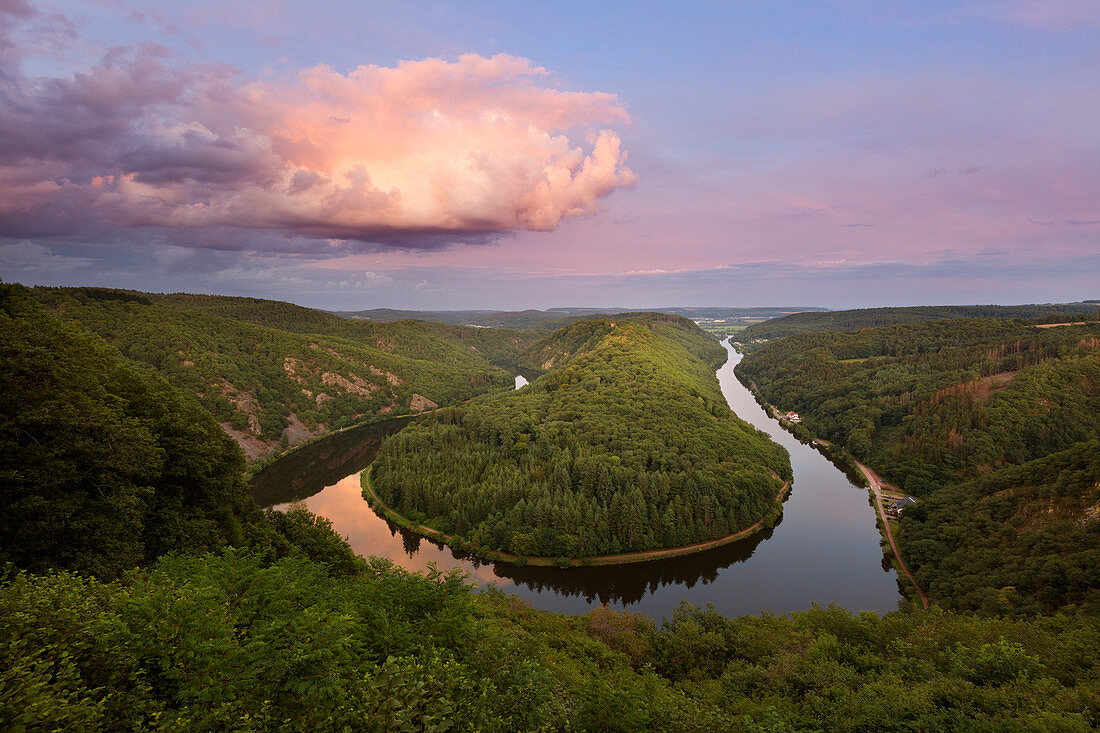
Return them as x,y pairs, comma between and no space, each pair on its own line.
142,556
276,374
439,367
824,547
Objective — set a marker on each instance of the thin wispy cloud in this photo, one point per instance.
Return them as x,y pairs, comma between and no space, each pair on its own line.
1052,13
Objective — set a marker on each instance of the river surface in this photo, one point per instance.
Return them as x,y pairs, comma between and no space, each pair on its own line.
824,550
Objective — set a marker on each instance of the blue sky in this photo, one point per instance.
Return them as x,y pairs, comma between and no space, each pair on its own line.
639,154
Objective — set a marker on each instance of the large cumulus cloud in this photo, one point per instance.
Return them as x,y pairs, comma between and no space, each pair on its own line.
419,154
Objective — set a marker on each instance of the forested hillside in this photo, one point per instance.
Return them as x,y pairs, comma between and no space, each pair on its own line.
106,465
854,320
991,422
626,444
1023,539
274,373
562,346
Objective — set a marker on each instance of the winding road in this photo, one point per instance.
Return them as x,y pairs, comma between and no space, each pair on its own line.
876,488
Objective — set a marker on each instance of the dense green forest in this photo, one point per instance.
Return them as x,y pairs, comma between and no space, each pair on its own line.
141,589
229,642
992,422
1024,539
626,444
854,320
275,373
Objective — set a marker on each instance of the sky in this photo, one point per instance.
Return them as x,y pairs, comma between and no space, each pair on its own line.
475,155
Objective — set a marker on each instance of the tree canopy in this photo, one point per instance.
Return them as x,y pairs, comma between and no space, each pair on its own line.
141,588
226,641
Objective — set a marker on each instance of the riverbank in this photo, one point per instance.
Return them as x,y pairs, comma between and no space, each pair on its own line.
839,457
254,467
626,558
869,479
875,484
821,549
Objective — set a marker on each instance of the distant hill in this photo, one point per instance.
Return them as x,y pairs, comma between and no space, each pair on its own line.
721,317
275,373
526,319
566,344
854,320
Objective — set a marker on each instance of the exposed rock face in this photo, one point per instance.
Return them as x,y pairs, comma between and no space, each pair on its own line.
298,370
355,385
420,403
290,366
245,402
391,378
297,431
254,447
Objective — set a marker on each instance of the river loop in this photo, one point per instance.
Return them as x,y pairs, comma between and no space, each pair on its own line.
824,550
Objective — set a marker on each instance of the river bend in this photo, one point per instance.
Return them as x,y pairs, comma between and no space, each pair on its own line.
824,550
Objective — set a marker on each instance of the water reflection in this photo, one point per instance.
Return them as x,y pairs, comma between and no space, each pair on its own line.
826,548
629,584
311,468
325,477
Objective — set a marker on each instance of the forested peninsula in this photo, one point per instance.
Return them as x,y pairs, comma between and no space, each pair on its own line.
994,424
625,445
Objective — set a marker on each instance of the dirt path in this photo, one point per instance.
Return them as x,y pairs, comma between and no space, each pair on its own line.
876,489
622,559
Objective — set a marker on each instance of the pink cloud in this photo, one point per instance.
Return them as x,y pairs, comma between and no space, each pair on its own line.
421,153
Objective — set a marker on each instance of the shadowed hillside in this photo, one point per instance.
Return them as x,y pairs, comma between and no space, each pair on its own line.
275,373
153,595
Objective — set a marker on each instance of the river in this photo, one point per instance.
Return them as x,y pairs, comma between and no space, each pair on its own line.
824,550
